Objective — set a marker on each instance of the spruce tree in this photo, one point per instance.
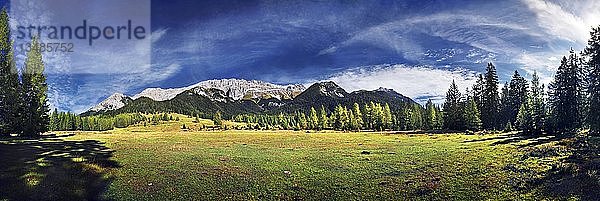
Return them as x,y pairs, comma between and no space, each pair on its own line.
35,89
517,92
453,111
490,102
430,116
592,51
471,115
538,105
563,96
478,91
10,98
505,106
524,117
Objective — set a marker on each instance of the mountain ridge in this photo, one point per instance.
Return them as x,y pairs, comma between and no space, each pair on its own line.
260,97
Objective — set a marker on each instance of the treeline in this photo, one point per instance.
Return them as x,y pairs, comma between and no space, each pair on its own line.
371,116
23,96
571,104
66,121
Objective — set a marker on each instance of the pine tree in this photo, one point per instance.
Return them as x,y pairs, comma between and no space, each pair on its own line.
478,91
490,102
524,118
54,120
592,51
35,92
517,93
10,97
563,96
453,111
538,107
471,115
505,106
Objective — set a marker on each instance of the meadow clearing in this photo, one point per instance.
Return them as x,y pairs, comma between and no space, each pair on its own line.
162,162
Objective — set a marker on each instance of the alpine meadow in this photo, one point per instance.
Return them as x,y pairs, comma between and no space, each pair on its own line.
299,100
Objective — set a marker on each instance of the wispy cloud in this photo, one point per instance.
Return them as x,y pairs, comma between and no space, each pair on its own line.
566,21
417,82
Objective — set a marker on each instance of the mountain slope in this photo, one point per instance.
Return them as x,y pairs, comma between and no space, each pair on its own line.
113,102
204,100
329,95
237,89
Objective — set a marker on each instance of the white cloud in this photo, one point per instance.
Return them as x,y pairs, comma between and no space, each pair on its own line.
564,21
410,81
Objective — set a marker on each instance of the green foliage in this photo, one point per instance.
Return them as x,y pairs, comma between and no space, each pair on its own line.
592,51
11,90
490,102
313,119
217,119
517,95
563,99
66,121
524,118
471,116
323,120
35,93
538,105
453,109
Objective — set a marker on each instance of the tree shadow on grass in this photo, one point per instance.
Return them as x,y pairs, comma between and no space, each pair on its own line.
574,162
577,175
521,140
50,168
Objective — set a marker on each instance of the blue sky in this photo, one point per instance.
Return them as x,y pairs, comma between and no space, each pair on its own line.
415,47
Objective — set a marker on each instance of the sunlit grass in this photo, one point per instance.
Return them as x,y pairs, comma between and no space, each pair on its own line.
260,165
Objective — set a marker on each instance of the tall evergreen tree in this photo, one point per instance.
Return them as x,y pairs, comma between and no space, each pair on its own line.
478,91
471,115
592,51
36,117
430,116
505,106
563,96
10,98
490,102
517,93
524,117
538,106
453,111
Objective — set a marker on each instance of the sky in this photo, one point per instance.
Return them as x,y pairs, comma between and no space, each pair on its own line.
414,47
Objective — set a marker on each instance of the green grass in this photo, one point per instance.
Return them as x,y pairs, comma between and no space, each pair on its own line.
161,162
295,165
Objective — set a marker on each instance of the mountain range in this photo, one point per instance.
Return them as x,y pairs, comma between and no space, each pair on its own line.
238,96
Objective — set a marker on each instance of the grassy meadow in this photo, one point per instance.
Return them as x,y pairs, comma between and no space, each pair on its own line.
162,162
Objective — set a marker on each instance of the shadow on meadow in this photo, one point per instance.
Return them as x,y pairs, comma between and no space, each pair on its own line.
50,168
572,161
